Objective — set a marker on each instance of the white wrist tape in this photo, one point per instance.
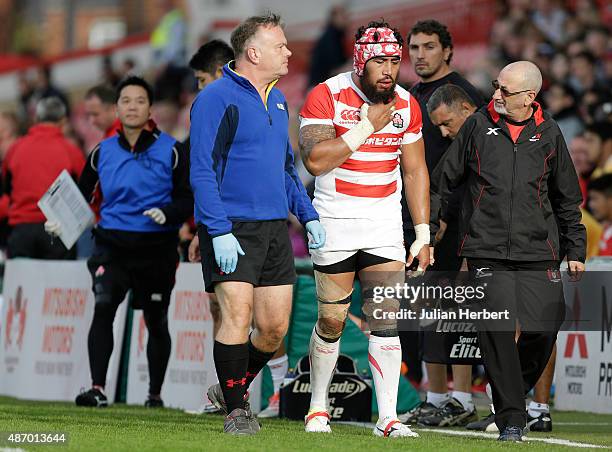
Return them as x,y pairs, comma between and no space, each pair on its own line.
422,238
358,134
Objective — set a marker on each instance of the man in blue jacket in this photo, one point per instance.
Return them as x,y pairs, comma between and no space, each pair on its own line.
244,183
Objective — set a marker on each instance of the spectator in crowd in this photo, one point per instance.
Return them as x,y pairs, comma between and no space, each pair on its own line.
127,68
109,76
596,106
169,44
599,141
166,115
559,67
561,104
596,40
101,112
43,88
144,175
328,53
579,152
587,12
550,19
30,167
9,131
600,203
101,109
25,91
582,72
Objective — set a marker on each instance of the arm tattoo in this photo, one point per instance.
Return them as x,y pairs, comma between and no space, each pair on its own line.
313,134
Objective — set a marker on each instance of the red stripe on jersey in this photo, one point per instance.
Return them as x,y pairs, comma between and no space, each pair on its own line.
362,166
379,148
365,191
349,97
401,102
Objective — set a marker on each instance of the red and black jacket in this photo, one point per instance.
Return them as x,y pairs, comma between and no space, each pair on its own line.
522,198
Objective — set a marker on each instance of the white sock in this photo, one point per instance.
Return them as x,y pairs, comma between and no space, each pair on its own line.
385,356
278,370
465,398
438,400
323,358
535,409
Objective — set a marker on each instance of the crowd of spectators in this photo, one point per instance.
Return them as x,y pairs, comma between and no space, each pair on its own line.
570,42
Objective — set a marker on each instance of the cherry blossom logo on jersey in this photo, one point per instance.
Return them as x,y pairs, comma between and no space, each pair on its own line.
375,42
397,121
350,115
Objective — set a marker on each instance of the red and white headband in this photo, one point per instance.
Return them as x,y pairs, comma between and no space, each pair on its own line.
375,42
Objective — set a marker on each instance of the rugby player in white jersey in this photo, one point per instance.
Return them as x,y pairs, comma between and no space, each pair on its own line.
357,129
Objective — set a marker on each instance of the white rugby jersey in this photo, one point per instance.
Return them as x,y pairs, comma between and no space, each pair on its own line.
368,184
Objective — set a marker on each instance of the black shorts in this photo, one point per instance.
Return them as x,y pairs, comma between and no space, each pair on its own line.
267,260
151,278
355,263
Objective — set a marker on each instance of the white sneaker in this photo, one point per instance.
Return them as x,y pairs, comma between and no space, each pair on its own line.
273,407
205,408
317,421
393,428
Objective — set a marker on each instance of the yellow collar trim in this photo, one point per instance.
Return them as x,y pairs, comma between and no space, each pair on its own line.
268,88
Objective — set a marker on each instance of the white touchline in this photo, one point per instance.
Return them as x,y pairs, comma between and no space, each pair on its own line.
561,442
583,423
558,441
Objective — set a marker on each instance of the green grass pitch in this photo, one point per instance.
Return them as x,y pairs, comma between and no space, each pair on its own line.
132,428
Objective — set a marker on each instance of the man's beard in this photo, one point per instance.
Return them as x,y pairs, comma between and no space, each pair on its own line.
500,109
373,94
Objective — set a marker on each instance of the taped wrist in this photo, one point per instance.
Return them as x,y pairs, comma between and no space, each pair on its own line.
355,137
422,238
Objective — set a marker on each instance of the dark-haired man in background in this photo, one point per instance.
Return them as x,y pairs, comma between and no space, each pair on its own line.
431,50
208,61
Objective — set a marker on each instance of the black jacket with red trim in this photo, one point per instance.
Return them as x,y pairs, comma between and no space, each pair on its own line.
522,199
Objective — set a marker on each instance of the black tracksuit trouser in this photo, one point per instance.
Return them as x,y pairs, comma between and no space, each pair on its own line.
532,292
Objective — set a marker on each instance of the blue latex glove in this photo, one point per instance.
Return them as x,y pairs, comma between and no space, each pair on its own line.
227,250
317,234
